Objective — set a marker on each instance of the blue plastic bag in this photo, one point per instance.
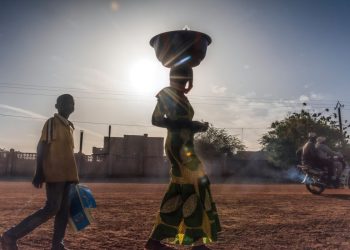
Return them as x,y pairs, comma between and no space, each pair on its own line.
81,201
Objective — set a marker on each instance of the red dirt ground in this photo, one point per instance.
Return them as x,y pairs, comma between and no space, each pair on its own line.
252,216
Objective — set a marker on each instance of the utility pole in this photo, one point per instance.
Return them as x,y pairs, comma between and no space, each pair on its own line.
80,154
109,158
339,106
109,138
81,141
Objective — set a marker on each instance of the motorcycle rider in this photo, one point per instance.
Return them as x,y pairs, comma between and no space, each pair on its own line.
309,156
328,158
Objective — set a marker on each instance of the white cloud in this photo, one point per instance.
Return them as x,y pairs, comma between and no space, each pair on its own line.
22,111
316,96
312,96
304,98
39,116
218,89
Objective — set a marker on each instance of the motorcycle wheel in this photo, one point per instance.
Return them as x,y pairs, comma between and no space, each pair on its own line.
315,188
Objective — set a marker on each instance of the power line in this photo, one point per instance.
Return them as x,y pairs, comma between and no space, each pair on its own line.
117,93
48,88
82,122
281,104
125,93
108,123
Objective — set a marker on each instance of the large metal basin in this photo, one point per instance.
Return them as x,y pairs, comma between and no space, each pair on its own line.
180,47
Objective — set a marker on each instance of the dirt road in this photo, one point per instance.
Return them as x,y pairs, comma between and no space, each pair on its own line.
252,216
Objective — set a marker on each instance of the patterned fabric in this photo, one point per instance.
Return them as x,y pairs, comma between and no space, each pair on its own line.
188,214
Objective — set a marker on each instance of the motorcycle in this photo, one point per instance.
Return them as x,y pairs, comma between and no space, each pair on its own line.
316,179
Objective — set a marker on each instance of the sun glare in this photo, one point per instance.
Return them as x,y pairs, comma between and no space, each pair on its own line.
145,75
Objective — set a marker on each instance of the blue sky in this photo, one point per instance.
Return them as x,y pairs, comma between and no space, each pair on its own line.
266,58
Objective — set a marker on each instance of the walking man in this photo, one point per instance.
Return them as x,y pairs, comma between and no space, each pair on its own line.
57,168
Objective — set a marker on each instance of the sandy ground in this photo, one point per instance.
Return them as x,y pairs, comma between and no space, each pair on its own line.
252,216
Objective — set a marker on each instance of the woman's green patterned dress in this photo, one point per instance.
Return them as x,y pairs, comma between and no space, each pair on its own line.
187,214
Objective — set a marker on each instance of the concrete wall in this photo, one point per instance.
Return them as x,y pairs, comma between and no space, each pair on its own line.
17,164
138,156
128,156
3,163
92,166
24,164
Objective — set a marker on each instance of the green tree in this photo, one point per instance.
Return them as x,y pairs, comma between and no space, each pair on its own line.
216,142
288,135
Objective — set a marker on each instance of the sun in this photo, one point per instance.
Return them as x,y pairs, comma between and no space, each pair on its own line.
145,75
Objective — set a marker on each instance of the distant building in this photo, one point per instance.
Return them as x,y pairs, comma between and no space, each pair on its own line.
133,155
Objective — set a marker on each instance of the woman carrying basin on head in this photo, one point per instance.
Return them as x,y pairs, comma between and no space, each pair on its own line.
187,213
